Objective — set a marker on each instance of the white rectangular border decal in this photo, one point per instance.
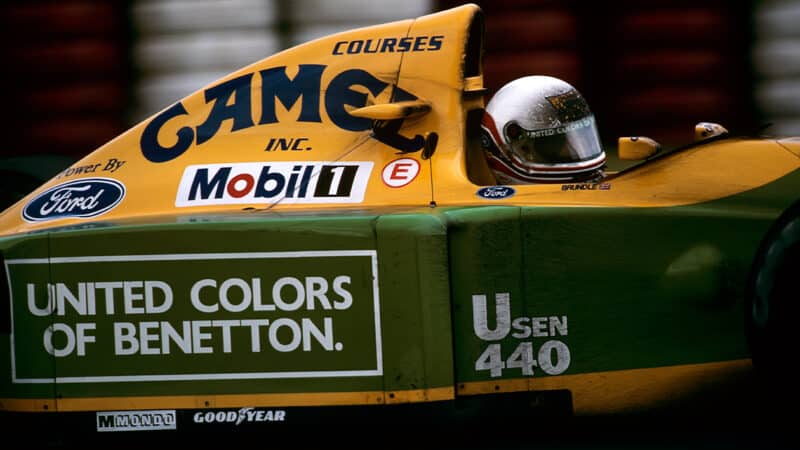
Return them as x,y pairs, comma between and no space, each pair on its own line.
372,254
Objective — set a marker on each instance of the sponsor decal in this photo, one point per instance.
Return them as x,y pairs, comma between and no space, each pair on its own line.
230,107
238,417
496,192
110,166
287,144
536,341
570,106
136,420
400,172
389,45
87,197
171,317
572,126
586,187
285,182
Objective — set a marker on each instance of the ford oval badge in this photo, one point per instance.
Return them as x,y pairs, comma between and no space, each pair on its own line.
86,197
496,192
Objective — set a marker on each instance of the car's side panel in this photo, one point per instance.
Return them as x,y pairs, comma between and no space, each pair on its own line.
415,296
22,254
378,308
590,294
287,312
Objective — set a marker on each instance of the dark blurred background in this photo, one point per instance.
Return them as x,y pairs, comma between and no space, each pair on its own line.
79,72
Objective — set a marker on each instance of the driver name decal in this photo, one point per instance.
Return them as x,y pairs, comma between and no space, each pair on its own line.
586,187
285,182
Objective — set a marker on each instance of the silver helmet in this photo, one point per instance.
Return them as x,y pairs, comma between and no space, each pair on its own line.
539,129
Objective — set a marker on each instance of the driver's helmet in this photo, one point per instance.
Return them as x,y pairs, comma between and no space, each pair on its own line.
539,129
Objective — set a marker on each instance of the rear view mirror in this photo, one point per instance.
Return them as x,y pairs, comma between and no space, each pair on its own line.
637,148
708,130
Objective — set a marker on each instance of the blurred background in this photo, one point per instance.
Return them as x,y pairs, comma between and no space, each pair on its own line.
79,72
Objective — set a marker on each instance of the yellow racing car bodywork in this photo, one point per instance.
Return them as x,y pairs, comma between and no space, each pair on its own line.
303,104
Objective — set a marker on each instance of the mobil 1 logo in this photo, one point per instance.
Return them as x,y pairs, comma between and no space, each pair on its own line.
285,182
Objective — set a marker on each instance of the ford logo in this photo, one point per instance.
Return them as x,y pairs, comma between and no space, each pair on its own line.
496,192
87,197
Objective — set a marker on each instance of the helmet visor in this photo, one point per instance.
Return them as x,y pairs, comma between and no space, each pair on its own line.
572,142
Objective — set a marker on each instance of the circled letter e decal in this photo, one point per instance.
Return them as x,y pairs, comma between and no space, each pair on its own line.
400,172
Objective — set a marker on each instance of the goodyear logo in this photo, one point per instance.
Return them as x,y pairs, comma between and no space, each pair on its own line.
244,415
285,182
230,104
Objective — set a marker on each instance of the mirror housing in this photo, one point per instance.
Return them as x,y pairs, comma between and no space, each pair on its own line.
708,130
391,111
637,148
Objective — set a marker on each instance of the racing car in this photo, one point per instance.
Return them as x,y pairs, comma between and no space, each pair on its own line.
316,232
